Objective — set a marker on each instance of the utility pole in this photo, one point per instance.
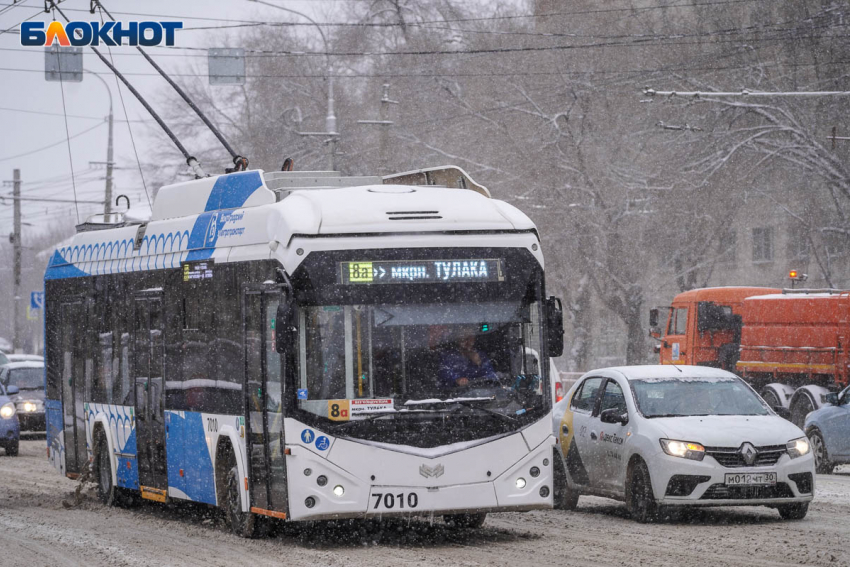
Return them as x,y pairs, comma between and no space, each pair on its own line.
384,123
107,206
16,242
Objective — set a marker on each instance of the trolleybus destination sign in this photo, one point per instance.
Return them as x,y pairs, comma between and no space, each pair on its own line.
421,271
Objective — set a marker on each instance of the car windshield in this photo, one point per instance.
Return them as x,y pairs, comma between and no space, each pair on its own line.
679,397
27,378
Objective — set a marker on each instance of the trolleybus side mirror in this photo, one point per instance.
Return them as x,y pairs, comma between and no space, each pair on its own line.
285,332
555,326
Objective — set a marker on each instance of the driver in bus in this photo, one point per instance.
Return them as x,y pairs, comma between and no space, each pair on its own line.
464,365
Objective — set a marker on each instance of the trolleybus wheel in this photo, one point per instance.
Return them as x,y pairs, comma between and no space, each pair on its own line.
243,524
105,488
465,520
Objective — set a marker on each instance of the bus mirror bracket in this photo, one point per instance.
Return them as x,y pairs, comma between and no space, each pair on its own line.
555,326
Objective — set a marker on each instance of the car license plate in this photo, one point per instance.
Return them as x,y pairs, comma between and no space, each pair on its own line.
750,479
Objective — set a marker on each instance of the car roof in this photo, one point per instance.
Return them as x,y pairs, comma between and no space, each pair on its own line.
642,372
23,364
23,357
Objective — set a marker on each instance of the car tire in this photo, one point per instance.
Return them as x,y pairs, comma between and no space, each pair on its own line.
793,511
12,449
469,521
106,492
822,463
243,524
640,499
565,498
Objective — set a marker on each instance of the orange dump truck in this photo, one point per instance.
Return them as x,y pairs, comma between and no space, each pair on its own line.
791,345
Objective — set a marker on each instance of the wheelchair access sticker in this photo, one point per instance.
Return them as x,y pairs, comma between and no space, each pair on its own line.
322,443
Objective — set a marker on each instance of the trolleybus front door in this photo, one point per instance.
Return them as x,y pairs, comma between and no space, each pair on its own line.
73,385
148,389
263,384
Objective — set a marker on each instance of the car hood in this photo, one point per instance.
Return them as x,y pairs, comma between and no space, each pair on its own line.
29,395
729,430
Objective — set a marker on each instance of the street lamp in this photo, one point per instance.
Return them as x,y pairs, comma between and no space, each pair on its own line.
330,119
107,206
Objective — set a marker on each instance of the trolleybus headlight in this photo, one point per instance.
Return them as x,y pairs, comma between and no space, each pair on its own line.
7,411
797,447
684,449
339,491
520,483
321,480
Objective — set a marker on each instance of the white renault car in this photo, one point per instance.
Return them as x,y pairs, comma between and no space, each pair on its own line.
657,436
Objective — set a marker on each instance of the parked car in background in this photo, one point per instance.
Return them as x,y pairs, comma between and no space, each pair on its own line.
829,432
10,432
656,436
23,358
28,377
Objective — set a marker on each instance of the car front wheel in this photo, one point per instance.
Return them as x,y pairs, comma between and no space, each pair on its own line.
794,511
640,500
12,449
822,464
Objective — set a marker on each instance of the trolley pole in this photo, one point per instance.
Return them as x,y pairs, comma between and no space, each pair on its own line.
107,206
16,243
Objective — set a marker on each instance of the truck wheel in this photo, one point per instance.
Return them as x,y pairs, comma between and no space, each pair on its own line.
472,521
794,511
771,398
822,464
801,406
12,449
641,501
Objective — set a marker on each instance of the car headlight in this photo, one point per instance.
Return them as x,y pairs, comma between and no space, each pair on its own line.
27,406
797,447
7,411
684,449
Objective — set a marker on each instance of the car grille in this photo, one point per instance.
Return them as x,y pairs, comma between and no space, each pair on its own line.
723,492
731,458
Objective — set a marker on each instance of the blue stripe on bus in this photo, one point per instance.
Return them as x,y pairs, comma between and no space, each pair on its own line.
128,468
186,448
228,192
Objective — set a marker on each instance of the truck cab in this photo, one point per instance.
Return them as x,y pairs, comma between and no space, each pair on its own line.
702,326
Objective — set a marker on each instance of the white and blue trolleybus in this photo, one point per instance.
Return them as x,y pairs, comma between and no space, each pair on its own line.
306,346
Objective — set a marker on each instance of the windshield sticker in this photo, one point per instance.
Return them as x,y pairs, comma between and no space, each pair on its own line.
307,436
322,443
301,393
371,406
338,410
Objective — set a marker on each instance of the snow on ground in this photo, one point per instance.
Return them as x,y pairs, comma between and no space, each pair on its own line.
35,530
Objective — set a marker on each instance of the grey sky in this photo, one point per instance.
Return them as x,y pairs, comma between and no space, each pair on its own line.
88,102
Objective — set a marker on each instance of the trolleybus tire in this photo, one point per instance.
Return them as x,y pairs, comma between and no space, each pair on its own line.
796,511
106,492
473,521
822,463
243,524
640,499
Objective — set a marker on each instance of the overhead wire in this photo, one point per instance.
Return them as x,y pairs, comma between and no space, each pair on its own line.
66,140
67,132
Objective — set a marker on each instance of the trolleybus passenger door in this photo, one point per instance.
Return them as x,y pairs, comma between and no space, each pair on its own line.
148,389
264,387
73,385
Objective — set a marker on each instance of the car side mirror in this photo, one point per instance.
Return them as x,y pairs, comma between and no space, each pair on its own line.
12,390
782,412
285,331
555,327
614,415
831,398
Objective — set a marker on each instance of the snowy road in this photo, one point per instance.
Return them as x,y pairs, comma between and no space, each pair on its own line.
35,530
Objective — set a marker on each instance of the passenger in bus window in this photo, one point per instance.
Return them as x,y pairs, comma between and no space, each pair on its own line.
464,364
